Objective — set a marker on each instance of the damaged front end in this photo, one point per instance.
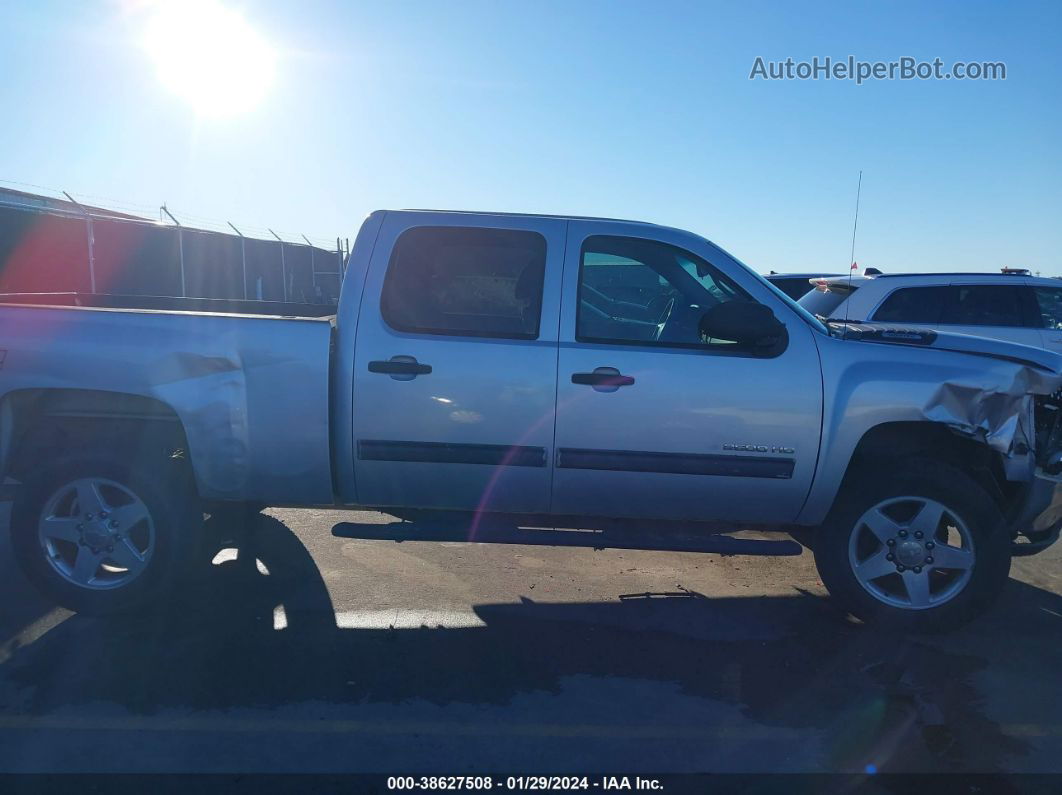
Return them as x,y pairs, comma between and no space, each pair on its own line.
1048,424
1041,522
1002,412
1014,411
1021,420
1025,428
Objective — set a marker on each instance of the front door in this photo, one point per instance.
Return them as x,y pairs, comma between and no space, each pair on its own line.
655,421
455,364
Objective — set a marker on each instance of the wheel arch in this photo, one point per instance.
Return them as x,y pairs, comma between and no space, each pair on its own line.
37,421
889,444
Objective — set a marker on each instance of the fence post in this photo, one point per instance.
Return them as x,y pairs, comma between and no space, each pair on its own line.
180,249
313,267
243,256
91,241
283,267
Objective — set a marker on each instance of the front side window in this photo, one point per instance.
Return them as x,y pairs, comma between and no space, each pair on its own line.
984,305
639,291
913,305
465,281
1049,303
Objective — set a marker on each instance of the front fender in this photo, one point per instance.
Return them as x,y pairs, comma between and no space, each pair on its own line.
869,384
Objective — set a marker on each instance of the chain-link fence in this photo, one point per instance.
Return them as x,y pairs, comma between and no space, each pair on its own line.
52,249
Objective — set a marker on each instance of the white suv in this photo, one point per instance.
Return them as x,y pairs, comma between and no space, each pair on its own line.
1006,306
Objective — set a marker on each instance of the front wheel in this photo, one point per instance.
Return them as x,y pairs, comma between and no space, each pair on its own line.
99,536
922,550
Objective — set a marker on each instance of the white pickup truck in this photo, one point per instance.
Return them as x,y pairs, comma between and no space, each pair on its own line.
553,368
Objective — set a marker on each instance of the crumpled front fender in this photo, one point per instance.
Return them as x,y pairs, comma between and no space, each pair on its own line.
988,398
999,411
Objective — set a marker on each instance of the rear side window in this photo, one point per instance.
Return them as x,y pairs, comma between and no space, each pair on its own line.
984,305
913,305
466,281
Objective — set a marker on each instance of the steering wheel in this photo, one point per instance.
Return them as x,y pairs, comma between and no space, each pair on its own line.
664,317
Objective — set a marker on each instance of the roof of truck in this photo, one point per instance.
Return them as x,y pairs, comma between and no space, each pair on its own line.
529,215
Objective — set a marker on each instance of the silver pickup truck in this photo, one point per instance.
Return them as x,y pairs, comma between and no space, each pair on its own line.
554,368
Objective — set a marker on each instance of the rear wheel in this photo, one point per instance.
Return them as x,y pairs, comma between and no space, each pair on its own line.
99,537
922,550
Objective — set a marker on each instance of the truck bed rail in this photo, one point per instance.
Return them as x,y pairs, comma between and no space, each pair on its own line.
227,306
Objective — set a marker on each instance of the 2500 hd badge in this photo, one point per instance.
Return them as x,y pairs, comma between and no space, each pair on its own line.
759,448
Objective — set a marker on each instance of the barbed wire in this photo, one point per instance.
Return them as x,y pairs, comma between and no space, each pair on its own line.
152,213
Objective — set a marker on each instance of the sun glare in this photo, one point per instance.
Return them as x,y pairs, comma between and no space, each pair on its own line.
209,56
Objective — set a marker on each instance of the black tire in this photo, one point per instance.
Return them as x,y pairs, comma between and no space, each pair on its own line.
962,497
168,492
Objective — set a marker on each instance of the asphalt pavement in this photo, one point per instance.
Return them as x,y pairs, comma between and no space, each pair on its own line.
334,641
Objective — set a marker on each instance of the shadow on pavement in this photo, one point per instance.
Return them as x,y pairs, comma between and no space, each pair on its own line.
20,605
784,662
496,530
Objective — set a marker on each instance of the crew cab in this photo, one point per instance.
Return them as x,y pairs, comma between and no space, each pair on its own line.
556,368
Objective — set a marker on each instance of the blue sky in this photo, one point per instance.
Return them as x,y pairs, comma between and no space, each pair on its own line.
637,110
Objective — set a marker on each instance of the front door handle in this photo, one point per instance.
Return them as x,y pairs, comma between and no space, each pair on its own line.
398,366
603,378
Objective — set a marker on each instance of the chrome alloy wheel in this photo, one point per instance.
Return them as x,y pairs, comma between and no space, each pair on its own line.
911,552
96,533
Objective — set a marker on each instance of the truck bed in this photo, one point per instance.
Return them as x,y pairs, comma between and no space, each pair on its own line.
251,391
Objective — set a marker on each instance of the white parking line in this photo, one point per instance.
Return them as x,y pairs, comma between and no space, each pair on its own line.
407,619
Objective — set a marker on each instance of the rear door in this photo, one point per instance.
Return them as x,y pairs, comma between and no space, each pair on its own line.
655,422
455,363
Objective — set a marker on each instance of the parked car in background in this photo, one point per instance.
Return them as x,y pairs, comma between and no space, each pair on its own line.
795,285
1008,306
562,370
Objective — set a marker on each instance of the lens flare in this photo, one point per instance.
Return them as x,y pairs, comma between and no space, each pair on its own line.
209,56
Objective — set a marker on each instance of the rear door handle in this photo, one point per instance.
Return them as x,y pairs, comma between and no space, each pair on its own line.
603,377
400,366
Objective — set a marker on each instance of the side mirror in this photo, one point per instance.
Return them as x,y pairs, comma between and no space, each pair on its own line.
746,323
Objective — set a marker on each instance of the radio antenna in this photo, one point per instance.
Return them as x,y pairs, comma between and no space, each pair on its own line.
851,258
